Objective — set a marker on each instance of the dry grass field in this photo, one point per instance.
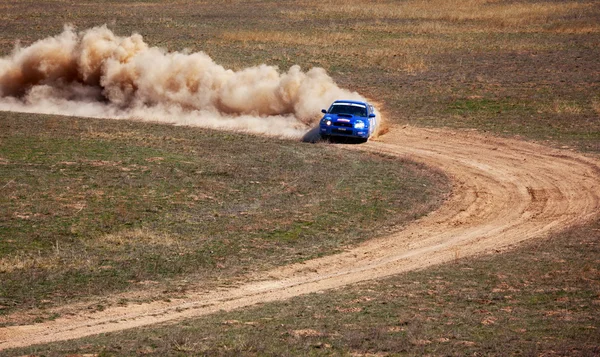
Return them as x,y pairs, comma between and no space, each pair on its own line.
541,300
528,69
93,207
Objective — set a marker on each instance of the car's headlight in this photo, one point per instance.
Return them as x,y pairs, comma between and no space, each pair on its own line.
359,124
327,121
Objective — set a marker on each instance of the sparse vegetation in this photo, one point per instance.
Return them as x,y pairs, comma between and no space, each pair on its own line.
542,299
90,207
518,68
415,58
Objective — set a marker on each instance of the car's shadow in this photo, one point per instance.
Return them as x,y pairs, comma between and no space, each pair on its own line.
314,136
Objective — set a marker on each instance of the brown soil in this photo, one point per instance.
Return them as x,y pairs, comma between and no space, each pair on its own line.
505,191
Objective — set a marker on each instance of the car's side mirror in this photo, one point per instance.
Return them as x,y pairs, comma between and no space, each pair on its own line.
323,111
372,115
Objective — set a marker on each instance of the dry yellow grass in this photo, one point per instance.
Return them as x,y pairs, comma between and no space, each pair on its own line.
561,106
582,28
410,53
136,236
402,56
406,54
493,12
287,38
29,261
596,106
565,107
66,258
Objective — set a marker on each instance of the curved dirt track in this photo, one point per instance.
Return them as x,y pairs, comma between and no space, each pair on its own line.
505,191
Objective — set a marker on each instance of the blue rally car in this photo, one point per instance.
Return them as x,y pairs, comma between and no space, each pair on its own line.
349,118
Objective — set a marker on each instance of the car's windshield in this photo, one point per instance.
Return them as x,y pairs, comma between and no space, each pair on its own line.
348,109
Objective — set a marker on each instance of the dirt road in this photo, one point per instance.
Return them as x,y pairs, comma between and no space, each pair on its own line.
505,192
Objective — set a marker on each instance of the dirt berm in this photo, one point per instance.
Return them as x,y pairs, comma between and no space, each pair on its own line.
504,192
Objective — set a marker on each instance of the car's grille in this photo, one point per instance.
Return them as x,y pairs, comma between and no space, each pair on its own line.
339,123
341,131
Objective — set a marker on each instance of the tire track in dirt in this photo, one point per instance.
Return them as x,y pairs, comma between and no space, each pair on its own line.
504,192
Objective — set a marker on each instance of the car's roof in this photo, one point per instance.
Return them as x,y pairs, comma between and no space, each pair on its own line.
349,102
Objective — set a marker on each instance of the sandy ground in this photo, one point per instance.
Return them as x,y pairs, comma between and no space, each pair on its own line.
504,192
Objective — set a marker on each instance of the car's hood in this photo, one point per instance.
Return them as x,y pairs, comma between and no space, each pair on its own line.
349,118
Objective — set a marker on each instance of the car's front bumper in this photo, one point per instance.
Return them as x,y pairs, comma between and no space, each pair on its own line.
331,130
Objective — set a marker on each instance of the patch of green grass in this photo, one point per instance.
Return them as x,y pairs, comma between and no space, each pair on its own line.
92,207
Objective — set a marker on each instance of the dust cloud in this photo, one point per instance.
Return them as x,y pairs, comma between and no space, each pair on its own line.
95,73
